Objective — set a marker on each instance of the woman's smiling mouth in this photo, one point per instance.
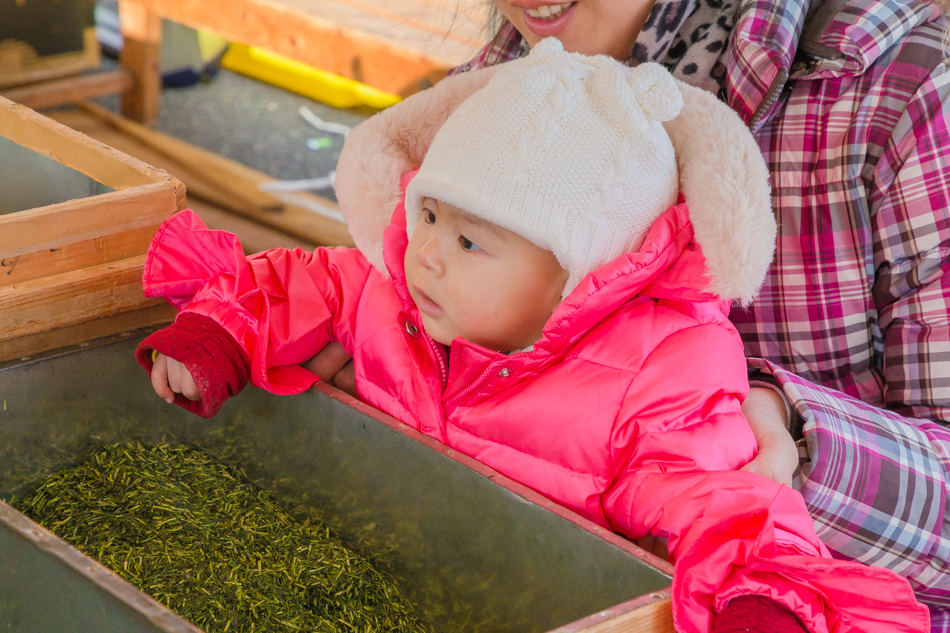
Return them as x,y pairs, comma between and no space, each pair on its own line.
549,11
546,20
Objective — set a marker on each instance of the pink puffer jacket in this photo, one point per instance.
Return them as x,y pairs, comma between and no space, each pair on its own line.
642,434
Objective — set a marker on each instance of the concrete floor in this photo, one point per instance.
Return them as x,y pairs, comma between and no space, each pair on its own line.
253,123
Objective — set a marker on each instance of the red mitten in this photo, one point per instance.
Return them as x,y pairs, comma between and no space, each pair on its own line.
756,614
218,365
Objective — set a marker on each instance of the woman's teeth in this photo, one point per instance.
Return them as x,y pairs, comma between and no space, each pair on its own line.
549,11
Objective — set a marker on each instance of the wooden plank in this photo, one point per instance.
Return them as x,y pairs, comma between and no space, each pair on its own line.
72,297
99,250
141,55
294,221
56,225
23,347
649,614
68,147
308,38
449,35
60,91
209,165
19,63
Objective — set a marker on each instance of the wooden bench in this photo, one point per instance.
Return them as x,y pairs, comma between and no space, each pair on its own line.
399,46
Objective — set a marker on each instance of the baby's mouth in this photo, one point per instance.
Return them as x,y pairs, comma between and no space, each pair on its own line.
425,304
549,11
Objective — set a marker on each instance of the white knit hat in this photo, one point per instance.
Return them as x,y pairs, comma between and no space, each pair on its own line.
563,149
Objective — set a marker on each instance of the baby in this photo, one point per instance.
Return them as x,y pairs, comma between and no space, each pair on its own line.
545,310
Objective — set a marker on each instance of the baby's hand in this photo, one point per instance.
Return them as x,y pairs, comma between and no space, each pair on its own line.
170,377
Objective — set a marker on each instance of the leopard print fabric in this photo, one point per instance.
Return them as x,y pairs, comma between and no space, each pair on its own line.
689,38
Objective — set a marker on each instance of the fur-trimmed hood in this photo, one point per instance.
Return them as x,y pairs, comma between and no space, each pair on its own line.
722,176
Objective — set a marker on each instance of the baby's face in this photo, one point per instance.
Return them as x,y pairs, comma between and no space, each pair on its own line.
475,280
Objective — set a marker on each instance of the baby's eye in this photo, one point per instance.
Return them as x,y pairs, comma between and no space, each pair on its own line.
428,216
467,244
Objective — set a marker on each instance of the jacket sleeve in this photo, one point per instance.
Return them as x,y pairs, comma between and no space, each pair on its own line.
280,306
730,533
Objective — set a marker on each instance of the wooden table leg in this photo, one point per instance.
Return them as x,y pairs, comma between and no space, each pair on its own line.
141,54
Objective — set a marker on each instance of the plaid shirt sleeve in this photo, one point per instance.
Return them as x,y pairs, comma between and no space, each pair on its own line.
876,480
912,255
876,485
506,45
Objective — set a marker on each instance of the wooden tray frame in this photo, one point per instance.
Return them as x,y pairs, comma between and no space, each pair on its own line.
72,271
19,63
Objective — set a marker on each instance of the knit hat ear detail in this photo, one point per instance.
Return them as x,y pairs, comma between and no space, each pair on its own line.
657,93
545,50
565,150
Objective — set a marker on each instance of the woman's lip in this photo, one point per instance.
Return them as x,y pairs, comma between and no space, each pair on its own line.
547,28
425,304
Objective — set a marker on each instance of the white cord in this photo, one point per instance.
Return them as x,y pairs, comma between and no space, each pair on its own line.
306,184
320,124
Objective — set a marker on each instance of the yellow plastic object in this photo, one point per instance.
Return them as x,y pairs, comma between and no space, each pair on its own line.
305,80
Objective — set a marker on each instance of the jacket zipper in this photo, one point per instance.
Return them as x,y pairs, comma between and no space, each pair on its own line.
438,355
475,384
770,97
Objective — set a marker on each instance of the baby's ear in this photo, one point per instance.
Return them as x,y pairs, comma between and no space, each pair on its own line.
379,151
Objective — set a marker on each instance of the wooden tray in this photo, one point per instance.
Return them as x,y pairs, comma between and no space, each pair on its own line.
76,218
20,63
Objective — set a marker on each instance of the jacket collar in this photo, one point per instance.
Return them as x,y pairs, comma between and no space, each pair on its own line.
761,50
846,36
838,38
668,265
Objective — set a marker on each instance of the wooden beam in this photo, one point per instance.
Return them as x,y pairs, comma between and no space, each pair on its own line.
23,347
116,246
305,37
56,225
652,613
292,220
60,91
72,297
19,63
209,165
141,55
77,151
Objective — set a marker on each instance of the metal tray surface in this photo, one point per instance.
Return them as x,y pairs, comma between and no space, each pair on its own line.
30,180
475,551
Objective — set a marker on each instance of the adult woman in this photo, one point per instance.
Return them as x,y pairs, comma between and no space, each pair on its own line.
850,103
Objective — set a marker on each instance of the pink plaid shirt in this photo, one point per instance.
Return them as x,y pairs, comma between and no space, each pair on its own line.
852,112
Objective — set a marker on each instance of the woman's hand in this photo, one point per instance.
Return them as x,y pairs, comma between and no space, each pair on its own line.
170,377
778,456
335,367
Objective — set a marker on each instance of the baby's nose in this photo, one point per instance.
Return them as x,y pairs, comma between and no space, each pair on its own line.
429,256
